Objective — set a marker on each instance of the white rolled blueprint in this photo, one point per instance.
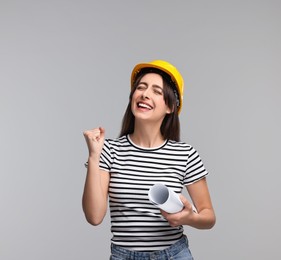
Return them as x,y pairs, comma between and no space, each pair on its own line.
165,198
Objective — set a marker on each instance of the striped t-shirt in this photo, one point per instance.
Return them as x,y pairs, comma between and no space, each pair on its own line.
136,223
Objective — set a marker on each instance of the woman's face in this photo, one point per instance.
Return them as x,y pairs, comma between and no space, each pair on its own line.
148,98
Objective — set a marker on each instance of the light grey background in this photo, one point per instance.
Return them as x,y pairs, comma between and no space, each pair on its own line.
65,67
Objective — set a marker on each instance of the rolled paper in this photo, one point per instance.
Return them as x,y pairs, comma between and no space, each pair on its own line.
165,198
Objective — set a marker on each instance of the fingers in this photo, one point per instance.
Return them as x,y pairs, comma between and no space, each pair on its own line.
95,139
95,134
180,218
185,202
173,218
164,213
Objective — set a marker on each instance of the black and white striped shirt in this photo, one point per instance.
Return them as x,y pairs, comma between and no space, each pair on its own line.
136,223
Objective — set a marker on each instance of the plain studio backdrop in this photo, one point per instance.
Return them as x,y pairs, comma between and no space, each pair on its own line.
65,67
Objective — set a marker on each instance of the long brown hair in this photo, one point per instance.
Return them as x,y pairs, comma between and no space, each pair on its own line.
170,127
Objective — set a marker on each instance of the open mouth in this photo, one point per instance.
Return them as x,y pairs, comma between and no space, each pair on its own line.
144,105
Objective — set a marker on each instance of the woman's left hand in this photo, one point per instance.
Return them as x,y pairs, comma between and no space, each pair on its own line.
183,217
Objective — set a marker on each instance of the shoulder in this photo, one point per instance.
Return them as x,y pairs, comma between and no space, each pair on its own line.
179,145
120,140
117,142
179,148
183,148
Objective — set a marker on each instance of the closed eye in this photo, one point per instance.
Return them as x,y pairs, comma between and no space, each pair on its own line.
141,87
158,92
156,89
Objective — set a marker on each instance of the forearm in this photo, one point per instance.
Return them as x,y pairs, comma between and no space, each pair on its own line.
95,195
199,193
205,219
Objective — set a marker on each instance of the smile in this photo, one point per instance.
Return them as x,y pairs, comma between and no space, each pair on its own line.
144,105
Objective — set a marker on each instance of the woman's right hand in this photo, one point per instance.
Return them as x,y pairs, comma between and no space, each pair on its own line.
95,139
95,193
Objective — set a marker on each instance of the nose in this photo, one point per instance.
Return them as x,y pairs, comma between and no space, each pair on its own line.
146,94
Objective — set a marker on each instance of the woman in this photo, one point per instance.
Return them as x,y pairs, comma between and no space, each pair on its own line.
148,151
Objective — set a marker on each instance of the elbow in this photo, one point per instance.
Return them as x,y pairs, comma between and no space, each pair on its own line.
93,220
212,222
208,221
211,225
93,217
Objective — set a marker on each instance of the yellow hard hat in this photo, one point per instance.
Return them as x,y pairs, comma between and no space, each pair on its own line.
167,68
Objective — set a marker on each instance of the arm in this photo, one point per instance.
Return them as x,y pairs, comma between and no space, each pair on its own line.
205,218
95,194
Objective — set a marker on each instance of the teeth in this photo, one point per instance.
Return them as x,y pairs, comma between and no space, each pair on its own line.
144,105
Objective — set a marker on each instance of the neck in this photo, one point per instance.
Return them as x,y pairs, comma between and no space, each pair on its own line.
147,136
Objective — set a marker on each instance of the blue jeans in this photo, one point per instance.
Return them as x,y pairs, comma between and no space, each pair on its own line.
177,251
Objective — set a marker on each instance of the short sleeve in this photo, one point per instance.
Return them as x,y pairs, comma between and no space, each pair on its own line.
195,169
106,157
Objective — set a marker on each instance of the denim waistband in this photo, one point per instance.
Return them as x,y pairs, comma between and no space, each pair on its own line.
161,254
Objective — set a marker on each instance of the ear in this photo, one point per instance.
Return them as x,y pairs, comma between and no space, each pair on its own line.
170,111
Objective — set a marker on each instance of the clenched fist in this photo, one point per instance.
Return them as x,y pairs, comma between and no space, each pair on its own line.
94,139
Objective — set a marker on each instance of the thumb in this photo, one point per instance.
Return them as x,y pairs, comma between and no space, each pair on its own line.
185,202
102,132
